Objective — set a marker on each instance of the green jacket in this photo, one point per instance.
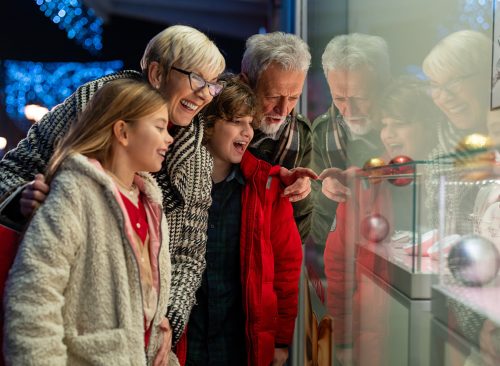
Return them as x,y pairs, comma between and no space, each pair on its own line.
333,148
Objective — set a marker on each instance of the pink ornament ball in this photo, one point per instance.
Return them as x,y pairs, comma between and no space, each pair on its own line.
374,228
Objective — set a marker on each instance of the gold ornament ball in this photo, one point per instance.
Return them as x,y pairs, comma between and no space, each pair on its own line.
370,166
473,142
474,152
373,163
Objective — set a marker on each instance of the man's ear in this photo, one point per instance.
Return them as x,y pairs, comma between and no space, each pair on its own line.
120,132
154,74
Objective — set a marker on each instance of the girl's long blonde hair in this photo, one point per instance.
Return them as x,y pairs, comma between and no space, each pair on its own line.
91,134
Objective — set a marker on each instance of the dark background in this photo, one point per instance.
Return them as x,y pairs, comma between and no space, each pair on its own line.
27,35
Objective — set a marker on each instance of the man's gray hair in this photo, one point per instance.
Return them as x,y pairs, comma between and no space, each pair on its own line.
356,50
285,49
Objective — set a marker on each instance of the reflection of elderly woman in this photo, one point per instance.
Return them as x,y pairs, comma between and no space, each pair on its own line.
184,65
459,71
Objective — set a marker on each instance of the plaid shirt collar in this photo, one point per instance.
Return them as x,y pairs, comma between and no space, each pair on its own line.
235,173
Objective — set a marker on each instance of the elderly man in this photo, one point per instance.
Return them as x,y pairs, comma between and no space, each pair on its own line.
357,69
275,66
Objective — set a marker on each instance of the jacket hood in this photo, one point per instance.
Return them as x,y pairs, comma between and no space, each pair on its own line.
94,170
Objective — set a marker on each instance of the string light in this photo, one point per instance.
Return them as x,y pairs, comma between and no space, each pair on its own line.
79,22
46,84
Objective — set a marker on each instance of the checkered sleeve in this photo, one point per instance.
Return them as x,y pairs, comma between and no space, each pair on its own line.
186,184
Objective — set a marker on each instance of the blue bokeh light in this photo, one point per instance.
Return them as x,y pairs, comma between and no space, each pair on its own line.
46,83
79,22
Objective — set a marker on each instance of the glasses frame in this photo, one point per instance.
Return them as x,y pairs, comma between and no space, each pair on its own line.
452,86
213,88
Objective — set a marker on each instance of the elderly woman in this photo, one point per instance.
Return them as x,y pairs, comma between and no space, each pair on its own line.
183,64
459,71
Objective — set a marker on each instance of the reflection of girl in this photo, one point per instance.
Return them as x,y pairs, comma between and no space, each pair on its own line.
91,280
409,118
459,71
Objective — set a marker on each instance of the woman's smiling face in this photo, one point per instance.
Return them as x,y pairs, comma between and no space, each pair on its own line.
183,102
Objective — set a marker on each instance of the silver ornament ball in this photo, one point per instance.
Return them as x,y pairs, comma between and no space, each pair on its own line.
474,260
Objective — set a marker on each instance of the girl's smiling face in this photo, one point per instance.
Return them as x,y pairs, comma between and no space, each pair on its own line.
148,141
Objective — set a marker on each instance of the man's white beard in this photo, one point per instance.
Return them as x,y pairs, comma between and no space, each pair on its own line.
270,128
359,129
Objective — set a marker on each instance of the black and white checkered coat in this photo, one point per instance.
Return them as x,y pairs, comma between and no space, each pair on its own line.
185,180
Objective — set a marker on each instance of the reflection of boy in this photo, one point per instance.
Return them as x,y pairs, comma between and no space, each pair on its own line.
247,303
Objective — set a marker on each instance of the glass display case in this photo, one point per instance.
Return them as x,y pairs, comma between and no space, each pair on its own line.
466,299
394,227
380,246
375,269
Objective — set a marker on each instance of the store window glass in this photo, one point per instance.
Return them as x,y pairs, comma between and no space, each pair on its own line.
403,102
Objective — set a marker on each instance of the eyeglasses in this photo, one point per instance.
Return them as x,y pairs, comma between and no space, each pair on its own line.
197,82
452,87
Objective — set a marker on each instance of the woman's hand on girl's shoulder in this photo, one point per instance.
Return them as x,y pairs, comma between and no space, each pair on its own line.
33,195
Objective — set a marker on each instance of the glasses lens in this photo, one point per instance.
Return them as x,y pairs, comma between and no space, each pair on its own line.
215,89
197,82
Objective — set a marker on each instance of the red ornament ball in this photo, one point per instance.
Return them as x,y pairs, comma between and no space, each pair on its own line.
402,169
374,228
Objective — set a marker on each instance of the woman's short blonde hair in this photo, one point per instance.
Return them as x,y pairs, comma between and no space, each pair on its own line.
186,47
459,54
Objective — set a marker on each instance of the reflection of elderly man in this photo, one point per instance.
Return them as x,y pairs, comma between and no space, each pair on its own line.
275,65
356,67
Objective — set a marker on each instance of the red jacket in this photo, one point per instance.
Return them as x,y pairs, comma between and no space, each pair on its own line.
271,257
346,287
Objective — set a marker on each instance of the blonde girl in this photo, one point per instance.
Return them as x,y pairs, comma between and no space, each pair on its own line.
91,280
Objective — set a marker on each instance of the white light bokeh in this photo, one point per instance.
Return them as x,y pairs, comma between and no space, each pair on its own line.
34,112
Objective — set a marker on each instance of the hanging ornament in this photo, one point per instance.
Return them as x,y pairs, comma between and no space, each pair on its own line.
374,228
401,169
474,260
